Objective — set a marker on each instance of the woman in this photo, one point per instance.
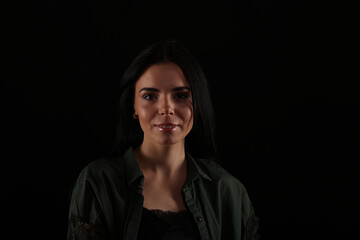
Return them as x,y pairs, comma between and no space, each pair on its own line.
162,182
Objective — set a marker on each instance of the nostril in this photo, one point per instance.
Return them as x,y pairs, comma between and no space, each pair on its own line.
167,112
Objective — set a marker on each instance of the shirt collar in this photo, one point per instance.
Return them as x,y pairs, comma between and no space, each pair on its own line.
132,167
194,171
133,170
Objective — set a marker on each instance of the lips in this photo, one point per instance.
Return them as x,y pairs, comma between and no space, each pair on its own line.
166,127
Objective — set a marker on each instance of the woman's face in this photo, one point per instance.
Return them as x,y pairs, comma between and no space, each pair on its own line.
163,103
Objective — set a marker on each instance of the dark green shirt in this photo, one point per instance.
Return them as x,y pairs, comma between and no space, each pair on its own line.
107,201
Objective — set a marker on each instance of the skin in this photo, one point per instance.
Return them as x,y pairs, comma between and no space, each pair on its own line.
163,95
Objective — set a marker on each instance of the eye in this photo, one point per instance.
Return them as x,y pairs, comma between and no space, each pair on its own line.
182,95
149,96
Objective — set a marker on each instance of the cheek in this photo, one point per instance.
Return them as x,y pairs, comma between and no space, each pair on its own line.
146,114
188,116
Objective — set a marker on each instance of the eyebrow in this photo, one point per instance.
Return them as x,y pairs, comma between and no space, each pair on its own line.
177,89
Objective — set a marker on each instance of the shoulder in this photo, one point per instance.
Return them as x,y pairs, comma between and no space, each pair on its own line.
228,188
102,168
219,175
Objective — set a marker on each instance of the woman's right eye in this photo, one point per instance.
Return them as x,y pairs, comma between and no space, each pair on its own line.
149,96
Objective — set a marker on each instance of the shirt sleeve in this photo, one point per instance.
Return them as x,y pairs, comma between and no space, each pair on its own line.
239,219
85,212
252,226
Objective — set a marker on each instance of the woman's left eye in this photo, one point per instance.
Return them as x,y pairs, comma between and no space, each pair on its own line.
181,95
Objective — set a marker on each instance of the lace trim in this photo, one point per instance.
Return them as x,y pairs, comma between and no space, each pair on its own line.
172,218
161,213
81,229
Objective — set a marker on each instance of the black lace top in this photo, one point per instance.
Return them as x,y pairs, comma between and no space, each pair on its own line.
165,225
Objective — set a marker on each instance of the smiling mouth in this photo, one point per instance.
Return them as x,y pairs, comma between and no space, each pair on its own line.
167,127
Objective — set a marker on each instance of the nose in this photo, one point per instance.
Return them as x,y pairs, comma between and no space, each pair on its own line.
166,108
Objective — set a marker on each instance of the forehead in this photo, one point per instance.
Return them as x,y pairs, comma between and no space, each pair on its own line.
162,76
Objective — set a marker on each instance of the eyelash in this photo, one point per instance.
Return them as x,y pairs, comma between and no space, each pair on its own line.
182,96
151,96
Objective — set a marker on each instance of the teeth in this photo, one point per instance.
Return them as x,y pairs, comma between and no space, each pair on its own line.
167,126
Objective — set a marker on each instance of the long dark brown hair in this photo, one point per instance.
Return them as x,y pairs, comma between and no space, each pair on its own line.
200,142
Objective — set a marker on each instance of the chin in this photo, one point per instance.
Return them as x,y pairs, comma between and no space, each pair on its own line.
168,141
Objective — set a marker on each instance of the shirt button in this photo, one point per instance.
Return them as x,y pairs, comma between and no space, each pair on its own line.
185,188
199,219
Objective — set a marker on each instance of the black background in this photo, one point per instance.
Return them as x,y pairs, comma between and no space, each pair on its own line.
284,78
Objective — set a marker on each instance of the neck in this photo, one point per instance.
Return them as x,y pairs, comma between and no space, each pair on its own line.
161,159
